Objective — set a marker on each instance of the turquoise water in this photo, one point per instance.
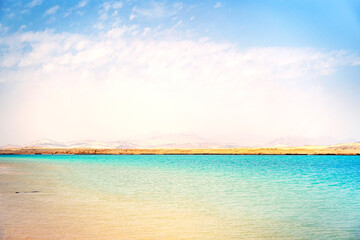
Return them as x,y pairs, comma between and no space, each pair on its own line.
287,197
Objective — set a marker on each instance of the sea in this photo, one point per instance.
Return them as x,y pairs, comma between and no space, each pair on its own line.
179,197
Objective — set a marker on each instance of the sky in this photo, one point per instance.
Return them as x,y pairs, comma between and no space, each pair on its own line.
245,72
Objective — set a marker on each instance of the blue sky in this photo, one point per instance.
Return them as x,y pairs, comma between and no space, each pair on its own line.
268,68
325,24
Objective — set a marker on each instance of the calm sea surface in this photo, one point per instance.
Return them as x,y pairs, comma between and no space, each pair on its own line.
179,197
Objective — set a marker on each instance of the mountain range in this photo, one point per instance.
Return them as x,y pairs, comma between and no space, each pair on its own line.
179,141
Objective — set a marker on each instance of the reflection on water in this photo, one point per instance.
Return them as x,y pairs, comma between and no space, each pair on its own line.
180,197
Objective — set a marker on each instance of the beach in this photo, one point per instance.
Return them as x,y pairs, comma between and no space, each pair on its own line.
35,204
346,149
189,120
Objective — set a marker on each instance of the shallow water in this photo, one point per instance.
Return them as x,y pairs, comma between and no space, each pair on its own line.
180,197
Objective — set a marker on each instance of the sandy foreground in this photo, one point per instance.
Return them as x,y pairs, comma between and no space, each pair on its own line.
36,204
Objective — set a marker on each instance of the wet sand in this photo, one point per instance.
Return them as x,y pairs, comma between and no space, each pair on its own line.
36,204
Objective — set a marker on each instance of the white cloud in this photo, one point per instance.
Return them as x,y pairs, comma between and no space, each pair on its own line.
218,5
178,5
10,15
3,28
68,12
119,85
155,10
52,10
146,31
272,63
22,27
34,3
82,4
107,6
105,14
178,24
117,5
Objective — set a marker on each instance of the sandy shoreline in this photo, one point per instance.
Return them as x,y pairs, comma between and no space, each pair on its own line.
39,205
4,169
236,151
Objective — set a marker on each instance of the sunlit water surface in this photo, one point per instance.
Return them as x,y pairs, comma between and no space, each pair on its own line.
179,197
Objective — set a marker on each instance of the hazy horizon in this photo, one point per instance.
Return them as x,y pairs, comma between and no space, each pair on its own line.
239,72
181,141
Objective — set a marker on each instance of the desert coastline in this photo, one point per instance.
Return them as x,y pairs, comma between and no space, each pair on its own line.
341,149
182,145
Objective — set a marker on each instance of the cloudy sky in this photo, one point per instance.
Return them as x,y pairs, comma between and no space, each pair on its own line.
229,71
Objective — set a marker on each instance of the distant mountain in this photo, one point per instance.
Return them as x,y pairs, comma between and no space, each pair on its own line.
188,141
345,146
179,141
160,141
46,143
297,141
